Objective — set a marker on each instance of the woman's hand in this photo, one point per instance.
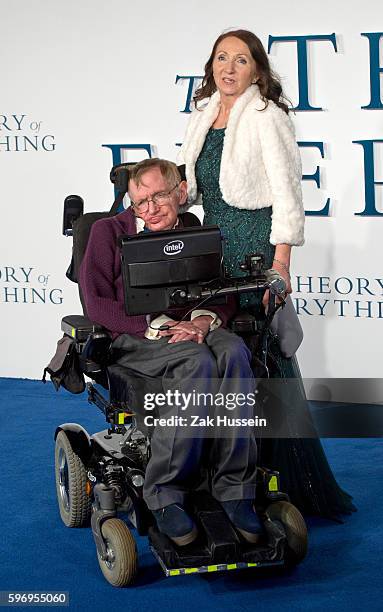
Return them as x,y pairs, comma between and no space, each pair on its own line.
194,331
281,264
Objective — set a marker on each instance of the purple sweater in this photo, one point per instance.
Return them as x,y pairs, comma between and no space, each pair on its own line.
101,280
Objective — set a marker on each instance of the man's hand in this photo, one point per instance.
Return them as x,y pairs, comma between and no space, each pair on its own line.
194,331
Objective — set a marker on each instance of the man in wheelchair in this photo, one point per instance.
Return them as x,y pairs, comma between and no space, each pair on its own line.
186,353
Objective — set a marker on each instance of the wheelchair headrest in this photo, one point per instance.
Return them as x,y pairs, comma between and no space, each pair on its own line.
119,176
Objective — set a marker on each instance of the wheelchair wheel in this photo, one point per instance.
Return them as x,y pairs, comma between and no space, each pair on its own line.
295,527
120,567
74,503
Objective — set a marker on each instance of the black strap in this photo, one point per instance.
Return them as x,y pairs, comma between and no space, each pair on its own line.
120,196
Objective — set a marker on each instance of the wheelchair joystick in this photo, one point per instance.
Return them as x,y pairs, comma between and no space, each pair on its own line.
277,284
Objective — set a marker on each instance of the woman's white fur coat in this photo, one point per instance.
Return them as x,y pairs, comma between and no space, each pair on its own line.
260,163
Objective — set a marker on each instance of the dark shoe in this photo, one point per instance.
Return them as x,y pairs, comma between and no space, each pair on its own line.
244,518
174,522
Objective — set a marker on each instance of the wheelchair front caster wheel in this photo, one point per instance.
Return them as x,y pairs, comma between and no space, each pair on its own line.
120,566
295,528
74,503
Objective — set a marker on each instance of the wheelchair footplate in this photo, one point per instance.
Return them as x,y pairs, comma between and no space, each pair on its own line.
218,547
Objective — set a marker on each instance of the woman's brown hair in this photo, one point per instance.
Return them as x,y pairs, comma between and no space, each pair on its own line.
267,81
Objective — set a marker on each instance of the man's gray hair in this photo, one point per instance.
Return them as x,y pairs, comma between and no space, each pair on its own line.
167,168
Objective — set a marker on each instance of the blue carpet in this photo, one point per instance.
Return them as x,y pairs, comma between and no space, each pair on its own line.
341,572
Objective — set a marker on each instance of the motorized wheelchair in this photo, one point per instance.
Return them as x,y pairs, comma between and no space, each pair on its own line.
100,475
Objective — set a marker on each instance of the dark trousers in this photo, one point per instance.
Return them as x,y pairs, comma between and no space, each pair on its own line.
221,364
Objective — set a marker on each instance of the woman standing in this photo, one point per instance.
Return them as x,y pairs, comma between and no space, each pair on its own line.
241,157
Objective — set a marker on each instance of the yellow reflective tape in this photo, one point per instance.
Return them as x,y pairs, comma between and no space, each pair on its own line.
191,570
123,415
273,484
73,332
252,564
212,568
174,572
231,566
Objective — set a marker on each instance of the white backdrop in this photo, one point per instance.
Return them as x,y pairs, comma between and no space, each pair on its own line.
85,73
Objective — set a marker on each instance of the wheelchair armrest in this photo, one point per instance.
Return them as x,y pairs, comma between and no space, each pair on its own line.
93,342
79,327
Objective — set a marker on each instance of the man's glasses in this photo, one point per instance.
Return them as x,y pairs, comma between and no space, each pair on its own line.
161,198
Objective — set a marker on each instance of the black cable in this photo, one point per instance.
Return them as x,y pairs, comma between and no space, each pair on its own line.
198,305
195,307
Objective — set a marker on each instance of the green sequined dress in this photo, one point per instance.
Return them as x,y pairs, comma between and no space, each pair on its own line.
305,473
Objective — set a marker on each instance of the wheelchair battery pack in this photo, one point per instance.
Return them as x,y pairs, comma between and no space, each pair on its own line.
156,266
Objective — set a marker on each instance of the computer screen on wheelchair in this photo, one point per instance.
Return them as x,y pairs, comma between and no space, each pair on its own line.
177,267
159,268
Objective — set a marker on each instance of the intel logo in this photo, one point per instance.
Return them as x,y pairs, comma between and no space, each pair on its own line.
174,247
